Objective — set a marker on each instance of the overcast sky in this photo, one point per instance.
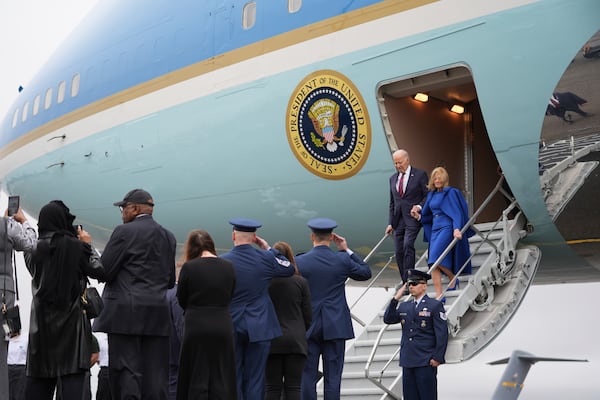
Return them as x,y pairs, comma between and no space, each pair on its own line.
553,321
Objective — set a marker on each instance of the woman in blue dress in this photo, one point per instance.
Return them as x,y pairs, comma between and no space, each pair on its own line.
444,214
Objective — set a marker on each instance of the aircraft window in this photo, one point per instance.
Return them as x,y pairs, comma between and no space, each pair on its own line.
60,96
25,112
294,6
249,15
36,105
75,85
15,118
48,99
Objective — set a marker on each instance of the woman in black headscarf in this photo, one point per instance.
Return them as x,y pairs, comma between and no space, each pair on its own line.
60,337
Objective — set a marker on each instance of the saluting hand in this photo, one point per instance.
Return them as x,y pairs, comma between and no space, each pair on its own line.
340,242
260,242
400,292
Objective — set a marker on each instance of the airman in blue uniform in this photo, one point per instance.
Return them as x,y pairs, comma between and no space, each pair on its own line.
327,272
424,337
254,318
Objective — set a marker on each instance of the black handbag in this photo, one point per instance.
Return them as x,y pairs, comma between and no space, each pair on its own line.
91,302
11,321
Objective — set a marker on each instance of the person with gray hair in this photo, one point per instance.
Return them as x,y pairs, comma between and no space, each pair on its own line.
408,190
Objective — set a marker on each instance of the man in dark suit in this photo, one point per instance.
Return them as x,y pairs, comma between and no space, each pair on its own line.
254,319
424,337
326,272
139,260
408,190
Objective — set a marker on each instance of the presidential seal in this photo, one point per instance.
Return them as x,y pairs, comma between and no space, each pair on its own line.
328,127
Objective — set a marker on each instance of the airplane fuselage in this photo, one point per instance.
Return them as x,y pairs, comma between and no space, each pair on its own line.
218,120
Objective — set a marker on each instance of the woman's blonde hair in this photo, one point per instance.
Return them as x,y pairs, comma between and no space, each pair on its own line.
443,175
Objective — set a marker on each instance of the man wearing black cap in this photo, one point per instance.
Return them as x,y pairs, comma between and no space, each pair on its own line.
327,272
139,260
424,337
254,318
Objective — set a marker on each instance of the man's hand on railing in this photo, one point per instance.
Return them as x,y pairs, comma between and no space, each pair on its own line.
389,230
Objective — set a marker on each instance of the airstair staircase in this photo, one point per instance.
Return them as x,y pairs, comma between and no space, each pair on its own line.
502,271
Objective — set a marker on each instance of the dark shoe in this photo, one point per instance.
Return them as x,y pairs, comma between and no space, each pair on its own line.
456,285
443,300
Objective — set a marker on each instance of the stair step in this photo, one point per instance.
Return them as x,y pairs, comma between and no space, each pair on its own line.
474,326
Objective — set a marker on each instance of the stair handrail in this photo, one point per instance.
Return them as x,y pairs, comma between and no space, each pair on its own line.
470,223
372,282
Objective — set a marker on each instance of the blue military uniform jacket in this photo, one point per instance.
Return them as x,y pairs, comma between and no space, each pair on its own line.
251,308
424,330
326,271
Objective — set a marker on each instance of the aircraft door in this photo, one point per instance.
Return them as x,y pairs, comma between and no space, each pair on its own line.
446,130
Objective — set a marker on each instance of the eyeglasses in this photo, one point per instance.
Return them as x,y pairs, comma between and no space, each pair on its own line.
415,283
121,208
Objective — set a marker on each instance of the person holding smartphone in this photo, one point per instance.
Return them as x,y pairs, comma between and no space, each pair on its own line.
15,234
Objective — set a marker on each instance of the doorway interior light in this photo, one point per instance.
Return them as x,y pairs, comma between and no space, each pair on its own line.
457,108
422,97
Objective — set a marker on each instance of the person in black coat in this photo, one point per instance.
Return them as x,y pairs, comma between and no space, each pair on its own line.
205,289
139,259
60,337
408,189
291,298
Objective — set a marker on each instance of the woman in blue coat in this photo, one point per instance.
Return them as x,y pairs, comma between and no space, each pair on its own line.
444,214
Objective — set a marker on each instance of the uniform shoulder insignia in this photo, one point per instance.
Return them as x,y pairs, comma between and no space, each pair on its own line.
285,263
443,316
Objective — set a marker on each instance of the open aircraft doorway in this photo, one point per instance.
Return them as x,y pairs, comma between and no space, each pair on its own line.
435,135
570,152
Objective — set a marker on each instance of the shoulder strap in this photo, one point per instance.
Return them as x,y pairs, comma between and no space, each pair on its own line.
13,267
14,261
5,234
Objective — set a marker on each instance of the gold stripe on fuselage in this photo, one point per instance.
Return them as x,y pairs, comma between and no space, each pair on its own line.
321,28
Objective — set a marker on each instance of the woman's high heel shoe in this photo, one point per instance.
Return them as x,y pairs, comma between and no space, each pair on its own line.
456,285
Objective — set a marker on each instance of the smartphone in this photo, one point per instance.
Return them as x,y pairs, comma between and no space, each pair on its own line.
13,205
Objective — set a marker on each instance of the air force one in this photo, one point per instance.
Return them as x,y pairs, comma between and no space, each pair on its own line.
285,110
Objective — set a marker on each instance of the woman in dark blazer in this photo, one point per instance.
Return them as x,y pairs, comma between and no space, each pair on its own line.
291,298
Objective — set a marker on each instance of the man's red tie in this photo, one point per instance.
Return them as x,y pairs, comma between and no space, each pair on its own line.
401,185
